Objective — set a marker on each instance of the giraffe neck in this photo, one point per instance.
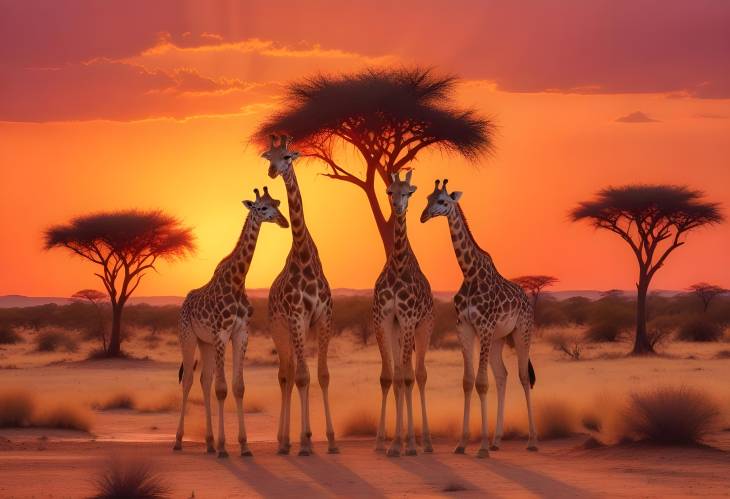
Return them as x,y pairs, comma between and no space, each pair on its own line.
300,233
470,256
239,260
401,246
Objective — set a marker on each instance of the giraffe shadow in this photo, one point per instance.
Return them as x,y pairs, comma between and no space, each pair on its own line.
337,478
266,483
430,468
537,483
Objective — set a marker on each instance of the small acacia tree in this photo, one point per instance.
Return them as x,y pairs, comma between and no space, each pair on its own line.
534,284
653,220
388,115
707,292
97,299
125,244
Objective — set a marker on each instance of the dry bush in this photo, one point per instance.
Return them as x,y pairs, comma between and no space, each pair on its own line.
570,345
555,419
669,415
603,332
9,336
591,422
54,340
360,422
63,417
454,487
16,409
700,329
253,405
723,354
120,400
130,479
166,403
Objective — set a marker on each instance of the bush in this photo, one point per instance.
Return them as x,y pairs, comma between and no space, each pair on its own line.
119,400
129,479
603,332
64,418
360,423
16,409
53,340
555,419
566,343
671,416
8,336
700,329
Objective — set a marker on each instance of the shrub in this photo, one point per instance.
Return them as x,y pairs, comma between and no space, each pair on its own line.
555,419
566,343
119,400
454,487
603,332
9,336
16,409
360,423
700,329
124,479
64,418
53,340
669,415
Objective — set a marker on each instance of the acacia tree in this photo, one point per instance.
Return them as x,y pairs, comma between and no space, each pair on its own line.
97,299
389,116
653,220
707,292
534,284
125,244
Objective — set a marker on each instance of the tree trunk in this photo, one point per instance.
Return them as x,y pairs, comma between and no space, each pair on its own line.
115,341
385,226
642,345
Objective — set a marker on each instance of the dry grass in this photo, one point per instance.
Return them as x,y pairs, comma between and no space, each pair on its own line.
555,419
130,479
360,422
54,340
18,409
670,415
723,354
165,403
9,336
591,422
454,487
120,400
568,344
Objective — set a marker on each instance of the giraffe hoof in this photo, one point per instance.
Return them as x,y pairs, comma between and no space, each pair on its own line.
460,450
177,446
532,448
247,453
305,452
483,453
222,454
494,447
411,452
393,453
333,450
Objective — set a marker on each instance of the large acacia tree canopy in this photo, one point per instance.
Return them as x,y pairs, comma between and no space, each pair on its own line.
379,111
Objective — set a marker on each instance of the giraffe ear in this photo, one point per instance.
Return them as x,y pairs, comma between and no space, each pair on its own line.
456,195
276,202
248,204
266,155
294,154
413,188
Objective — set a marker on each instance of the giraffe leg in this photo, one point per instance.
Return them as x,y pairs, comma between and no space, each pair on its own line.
324,333
221,388
482,384
187,344
522,347
500,379
423,337
297,332
207,367
383,332
466,338
396,446
280,335
408,380
240,342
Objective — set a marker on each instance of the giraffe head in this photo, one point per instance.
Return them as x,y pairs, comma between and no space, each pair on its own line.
279,156
266,209
399,191
440,202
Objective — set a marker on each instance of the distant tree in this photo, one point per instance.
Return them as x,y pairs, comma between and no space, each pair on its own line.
96,299
388,115
707,292
534,284
125,244
612,294
652,219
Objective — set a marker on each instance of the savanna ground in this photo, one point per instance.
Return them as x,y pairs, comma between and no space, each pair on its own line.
127,409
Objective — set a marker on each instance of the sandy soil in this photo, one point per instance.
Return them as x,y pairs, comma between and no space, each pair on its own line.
58,463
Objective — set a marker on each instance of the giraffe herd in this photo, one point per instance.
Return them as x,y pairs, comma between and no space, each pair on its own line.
490,310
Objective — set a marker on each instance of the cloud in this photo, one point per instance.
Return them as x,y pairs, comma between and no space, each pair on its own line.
711,116
636,117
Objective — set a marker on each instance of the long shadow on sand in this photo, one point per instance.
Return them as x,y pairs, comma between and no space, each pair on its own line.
430,468
537,483
335,477
266,483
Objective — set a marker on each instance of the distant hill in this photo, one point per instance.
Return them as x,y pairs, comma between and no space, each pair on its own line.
9,301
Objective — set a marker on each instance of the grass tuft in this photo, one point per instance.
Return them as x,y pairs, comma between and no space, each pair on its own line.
54,340
127,479
9,336
119,400
16,409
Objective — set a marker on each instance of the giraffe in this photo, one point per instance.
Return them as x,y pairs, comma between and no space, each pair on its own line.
299,299
489,308
403,320
217,313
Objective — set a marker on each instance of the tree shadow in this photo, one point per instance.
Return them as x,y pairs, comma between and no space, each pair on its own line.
337,478
266,483
537,483
430,468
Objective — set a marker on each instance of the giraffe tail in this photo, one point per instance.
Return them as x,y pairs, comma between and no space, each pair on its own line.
182,370
530,372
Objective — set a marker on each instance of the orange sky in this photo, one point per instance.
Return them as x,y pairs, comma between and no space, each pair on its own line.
157,113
